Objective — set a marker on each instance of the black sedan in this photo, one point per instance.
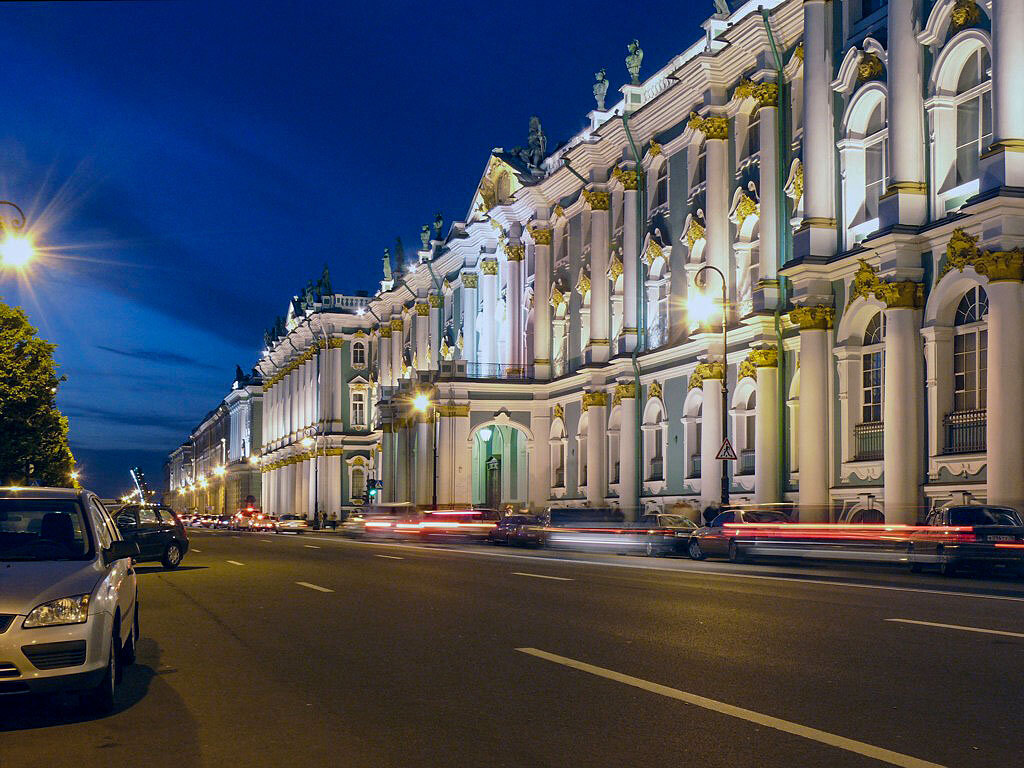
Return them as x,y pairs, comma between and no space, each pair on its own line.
976,536
717,539
157,530
522,530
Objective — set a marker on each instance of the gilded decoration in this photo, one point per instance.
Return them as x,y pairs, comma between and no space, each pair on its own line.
711,127
446,286
694,232
515,252
746,207
422,309
453,410
559,211
339,343
706,372
583,284
434,300
866,284
796,186
557,297
965,14
598,199
998,266
445,349
397,324
815,318
798,52
558,413
764,357
541,235
623,391
628,179
765,94
469,279
385,331
655,148
747,370
615,268
654,391
869,67
497,185
595,399
489,266
460,342
653,253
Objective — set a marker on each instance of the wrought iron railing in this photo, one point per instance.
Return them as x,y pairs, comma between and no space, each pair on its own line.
869,439
494,371
746,463
965,431
657,468
560,477
695,465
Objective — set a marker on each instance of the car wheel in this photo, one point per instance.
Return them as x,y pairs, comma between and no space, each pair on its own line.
128,649
172,556
694,551
650,550
947,567
100,700
735,553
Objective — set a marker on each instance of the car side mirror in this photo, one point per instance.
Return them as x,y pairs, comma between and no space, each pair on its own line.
118,550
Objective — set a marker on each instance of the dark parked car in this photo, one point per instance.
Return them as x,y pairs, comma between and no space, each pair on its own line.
972,535
157,530
716,540
666,533
522,530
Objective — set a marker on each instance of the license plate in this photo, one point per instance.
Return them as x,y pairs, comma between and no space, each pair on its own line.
1001,538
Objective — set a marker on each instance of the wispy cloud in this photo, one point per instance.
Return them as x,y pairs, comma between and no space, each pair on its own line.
176,424
160,356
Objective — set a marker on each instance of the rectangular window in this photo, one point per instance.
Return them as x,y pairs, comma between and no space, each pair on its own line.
968,135
754,134
358,409
874,177
358,484
873,363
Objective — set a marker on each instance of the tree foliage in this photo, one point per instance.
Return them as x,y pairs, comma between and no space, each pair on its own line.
32,429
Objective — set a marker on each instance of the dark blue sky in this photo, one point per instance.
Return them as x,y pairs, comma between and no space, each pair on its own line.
192,164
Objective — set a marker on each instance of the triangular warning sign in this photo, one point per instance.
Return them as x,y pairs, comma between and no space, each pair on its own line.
726,452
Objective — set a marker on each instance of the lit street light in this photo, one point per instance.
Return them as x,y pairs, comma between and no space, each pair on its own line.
422,403
16,249
702,308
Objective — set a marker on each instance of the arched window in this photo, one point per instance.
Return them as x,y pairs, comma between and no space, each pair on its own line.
556,441
660,197
973,114
357,484
970,352
655,438
358,354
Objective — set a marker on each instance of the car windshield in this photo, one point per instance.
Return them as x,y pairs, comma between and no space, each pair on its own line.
42,529
983,516
289,517
761,516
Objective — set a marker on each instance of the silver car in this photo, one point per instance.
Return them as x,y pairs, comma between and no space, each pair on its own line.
69,612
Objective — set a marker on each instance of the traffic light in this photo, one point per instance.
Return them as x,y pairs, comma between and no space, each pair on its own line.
373,490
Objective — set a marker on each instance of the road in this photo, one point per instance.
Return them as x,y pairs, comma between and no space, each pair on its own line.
318,651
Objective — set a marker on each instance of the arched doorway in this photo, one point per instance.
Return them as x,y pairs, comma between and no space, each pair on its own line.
501,472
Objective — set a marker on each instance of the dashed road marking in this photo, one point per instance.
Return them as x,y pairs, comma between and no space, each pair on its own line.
958,626
311,546
540,576
318,588
235,562
786,726
196,550
390,557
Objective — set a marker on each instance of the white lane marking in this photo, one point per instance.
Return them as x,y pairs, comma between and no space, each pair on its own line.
390,557
235,562
786,726
540,576
694,571
196,550
311,546
307,585
958,626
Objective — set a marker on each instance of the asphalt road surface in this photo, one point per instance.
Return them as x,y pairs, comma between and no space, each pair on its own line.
314,650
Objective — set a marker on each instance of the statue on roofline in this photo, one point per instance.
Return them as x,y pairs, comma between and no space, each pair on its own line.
388,276
600,88
438,225
633,60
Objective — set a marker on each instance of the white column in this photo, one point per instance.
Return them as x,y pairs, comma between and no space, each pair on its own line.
719,181
515,252
387,462
597,435
539,457
332,466
541,301
630,265
907,198
337,384
489,333
902,446
326,385
424,460
629,500
817,235
710,441
384,356
813,440
1005,439
766,427
435,301
768,220
421,320
598,348
397,336
470,280
404,469
1007,95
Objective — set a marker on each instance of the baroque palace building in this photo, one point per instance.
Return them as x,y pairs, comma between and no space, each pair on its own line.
854,170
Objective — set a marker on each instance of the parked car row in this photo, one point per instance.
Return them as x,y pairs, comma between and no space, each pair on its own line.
249,519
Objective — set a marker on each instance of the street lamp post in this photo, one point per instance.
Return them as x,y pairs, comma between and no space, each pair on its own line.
423,404
725,379
15,250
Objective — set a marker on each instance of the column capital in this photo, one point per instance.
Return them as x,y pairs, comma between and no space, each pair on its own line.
422,309
998,266
764,357
541,235
712,127
897,294
434,300
765,94
489,267
624,390
812,318
469,279
706,372
597,199
629,179
515,252
594,400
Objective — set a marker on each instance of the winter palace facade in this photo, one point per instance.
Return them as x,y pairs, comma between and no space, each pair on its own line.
854,171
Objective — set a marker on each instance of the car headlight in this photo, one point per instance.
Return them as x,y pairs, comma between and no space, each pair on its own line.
65,610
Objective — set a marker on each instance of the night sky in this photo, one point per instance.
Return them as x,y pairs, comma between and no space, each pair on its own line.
188,166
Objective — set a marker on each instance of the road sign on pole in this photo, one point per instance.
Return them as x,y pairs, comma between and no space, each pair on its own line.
726,452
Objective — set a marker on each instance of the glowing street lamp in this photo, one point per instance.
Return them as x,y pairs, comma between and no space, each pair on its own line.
16,248
307,442
254,460
421,403
702,308
218,471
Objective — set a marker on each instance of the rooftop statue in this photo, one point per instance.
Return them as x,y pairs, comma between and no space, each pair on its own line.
239,374
636,55
425,236
438,225
600,88
308,295
537,145
387,264
324,286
